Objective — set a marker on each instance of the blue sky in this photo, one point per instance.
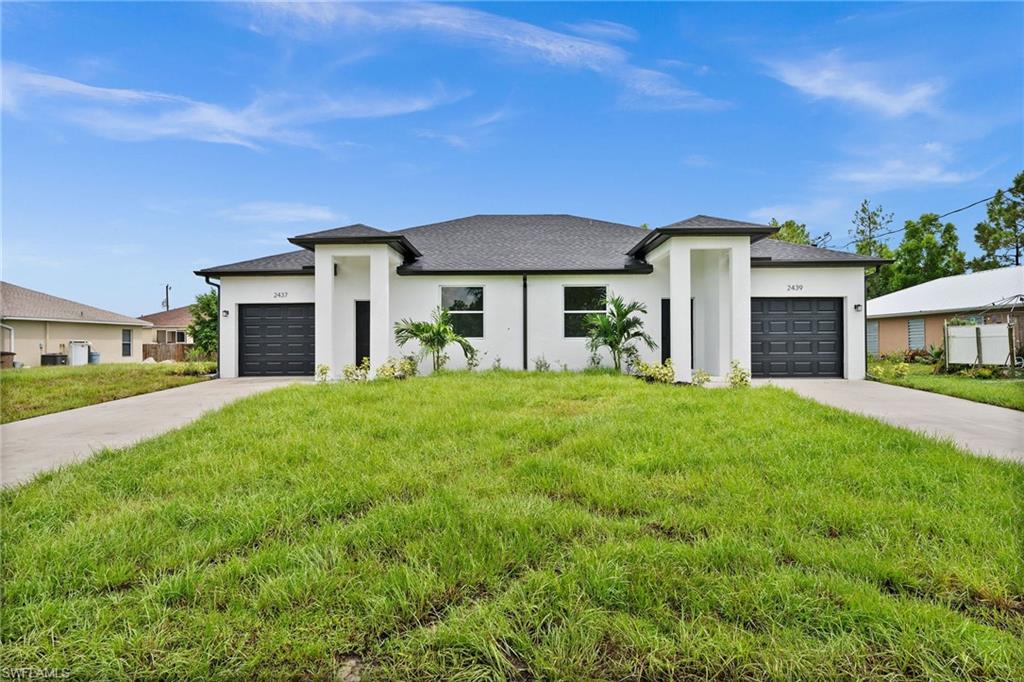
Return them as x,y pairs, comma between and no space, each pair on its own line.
143,141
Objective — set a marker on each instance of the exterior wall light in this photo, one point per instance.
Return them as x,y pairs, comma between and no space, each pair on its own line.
856,306
224,313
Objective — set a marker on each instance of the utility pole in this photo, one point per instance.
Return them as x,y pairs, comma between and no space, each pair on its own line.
167,297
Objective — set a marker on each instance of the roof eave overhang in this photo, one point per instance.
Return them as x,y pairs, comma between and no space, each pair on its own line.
645,269
397,242
773,263
251,273
77,320
976,310
659,235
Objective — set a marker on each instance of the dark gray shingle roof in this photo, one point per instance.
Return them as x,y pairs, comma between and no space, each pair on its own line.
782,253
291,263
523,243
532,243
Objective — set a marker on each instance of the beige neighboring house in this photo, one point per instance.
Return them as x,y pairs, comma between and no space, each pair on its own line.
33,323
169,326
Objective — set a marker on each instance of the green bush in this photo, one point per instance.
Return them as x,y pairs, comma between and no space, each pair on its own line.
360,372
192,369
700,377
658,373
739,376
398,368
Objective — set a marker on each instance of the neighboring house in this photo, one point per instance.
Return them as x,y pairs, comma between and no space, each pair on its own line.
913,318
169,326
519,287
34,323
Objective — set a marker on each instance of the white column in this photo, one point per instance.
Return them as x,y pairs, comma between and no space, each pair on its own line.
324,312
679,307
739,293
380,310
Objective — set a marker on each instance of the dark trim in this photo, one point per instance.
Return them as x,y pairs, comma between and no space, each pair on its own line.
251,273
526,364
398,242
660,235
819,263
220,314
645,269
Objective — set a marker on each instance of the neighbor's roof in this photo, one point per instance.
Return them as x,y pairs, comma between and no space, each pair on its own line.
972,292
175,317
19,303
533,244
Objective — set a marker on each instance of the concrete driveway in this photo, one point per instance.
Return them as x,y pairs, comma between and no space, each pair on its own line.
30,446
982,429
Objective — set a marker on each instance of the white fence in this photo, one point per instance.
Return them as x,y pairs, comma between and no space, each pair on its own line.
981,344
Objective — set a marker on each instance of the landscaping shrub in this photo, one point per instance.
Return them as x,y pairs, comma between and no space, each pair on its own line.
360,372
540,364
398,368
739,376
658,373
700,377
192,369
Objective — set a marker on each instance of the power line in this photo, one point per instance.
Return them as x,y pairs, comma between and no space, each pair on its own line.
897,231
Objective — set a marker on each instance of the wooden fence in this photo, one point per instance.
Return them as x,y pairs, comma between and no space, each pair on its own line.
165,351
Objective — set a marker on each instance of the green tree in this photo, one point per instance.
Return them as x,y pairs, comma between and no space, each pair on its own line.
618,330
791,231
203,328
1001,237
870,225
433,336
929,250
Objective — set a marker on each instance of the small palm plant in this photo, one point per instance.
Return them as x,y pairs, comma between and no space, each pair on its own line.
433,336
618,330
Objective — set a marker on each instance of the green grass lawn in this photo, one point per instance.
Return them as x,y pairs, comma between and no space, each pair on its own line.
31,392
1002,392
520,526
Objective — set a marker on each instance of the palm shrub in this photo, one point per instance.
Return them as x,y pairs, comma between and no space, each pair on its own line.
433,336
618,330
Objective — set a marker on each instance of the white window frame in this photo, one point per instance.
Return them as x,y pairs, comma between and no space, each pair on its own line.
924,334
482,312
581,285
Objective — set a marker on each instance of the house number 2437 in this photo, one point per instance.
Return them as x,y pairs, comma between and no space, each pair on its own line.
280,294
794,287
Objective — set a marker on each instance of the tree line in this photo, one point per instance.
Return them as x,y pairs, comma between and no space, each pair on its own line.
929,249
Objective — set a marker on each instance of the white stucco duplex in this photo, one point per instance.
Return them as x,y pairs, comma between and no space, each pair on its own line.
518,286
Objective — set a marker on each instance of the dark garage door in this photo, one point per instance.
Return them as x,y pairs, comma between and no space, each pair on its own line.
796,337
275,339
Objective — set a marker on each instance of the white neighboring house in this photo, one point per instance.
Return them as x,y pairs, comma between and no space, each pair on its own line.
518,286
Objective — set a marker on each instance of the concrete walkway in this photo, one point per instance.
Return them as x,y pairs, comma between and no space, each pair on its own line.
979,428
30,446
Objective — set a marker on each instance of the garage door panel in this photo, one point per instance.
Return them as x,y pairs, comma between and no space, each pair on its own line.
276,339
796,337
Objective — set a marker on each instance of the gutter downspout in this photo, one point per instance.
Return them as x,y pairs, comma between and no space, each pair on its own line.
206,278
526,353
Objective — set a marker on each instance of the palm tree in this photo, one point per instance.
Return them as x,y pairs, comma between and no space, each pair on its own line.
433,336
618,329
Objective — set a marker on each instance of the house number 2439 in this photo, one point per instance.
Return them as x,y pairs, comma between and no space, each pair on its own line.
280,294
794,287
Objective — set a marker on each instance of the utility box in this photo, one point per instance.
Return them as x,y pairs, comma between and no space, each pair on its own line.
53,359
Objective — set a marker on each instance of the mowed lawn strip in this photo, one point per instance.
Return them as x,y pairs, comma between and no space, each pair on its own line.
1001,392
520,525
36,391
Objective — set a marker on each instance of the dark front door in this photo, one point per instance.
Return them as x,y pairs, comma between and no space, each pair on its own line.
362,330
275,339
796,337
666,329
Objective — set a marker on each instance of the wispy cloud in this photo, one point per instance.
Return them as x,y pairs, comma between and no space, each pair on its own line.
816,212
450,139
830,76
930,163
600,29
280,212
643,88
136,115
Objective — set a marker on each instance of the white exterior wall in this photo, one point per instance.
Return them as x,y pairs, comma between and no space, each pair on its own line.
845,283
546,308
240,289
722,330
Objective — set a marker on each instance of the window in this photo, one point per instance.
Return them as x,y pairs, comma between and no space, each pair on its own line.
161,336
578,303
179,337
126,343
872,338
915,334
466,305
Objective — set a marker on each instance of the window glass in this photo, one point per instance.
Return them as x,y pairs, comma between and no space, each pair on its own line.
466,306
161,336
915,334
126,343
180,336
578,303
